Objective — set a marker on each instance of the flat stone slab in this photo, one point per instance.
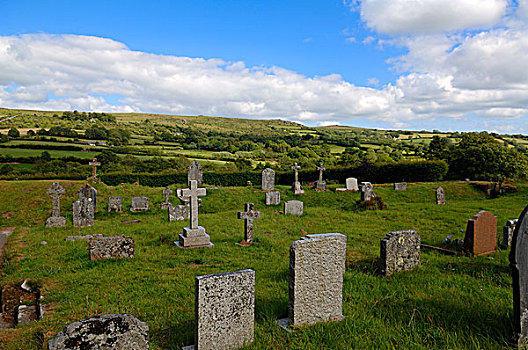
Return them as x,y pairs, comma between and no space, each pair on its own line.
126,222
116,247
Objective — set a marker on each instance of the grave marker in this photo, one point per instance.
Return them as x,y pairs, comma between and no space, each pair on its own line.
115,204
440,196
115,247
249,215
296,187
94,164
320,184
55,192
178,212
268,179
367,192
273,198
519,266
507,233
139,204
399,251
167,192
194,236
195,173
88,191
83,212
293,207
352,184
400,186
481,234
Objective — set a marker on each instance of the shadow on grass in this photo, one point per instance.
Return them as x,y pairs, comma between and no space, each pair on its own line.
173,336
368,266
475,268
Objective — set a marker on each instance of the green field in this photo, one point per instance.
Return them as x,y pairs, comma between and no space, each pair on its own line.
22,152
449,302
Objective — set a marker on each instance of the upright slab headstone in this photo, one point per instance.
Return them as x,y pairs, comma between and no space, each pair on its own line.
320,184
399,251
83,212
115,247
178,212
105,332
507,233
440,196
115,204
268,179
166,192
195,173
352,184
55,192
481,234
317,265
194,236
139,204
94,164
519,266
248,216
225,310
293,208
367,192
296,187
88,191
273,198
400,186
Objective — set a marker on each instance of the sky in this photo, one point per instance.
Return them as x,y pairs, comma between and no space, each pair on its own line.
449,65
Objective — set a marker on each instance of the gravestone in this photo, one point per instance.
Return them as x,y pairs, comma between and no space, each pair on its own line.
519,266
317,265
83,212
178,212
194,236
268,179
320,184
400,186
507,233
115,247
115,204
440,196
481,234
248,216
104,332
55,192
293,208
352,184
225,310
166,192
296,187
94,164
88,191
19,304
399,251
86,238
273,198
367,192
195,173
139,204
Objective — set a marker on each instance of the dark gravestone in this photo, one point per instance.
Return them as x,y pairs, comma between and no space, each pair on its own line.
507,233
249,215
481,234
195,173
519,266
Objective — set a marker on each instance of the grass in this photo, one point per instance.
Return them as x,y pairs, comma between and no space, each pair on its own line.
447,302
22,152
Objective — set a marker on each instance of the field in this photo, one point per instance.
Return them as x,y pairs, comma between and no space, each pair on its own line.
449,302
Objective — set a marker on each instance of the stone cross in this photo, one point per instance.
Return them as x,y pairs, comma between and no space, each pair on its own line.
249,215
167,192
193,192
321,168
55,192
296,168
94,163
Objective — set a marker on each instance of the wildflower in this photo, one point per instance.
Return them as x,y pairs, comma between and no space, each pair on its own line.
449,236
445,239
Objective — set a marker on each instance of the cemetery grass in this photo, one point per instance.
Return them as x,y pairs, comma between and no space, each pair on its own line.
447,302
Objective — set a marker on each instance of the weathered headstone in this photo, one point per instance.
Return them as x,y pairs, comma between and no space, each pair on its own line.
13,308
352,184
139,204
507,233
94,164
268,179
296,187
399,251
83,212
86,238
115,204
400,186
225,310
178,212
440,196
317,265
320,184
55,192
293,208
367,192
166,192
105,332
88,191
194,236
519,266
115,247
249,215
481,234
195,173
273,198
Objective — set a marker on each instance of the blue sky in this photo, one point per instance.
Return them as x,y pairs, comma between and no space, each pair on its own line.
410,64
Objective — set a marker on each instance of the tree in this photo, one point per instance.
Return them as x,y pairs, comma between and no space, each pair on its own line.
45,156
31,133
13,133
438,148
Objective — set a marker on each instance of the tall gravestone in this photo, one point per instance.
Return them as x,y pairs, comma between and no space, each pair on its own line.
399,251
55,192
225,310
320,184
195,173
317,265
194,236
519,266
296,187
367,192
248,216
94,164
352,184
507,233
440,196
105,332
268,179
83,212
481,234
115,204
273,198
88,191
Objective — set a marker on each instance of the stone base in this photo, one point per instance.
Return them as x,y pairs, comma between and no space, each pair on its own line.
56,221
320,186
194,232
244,243
164,206
188,347
297,188
194,242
